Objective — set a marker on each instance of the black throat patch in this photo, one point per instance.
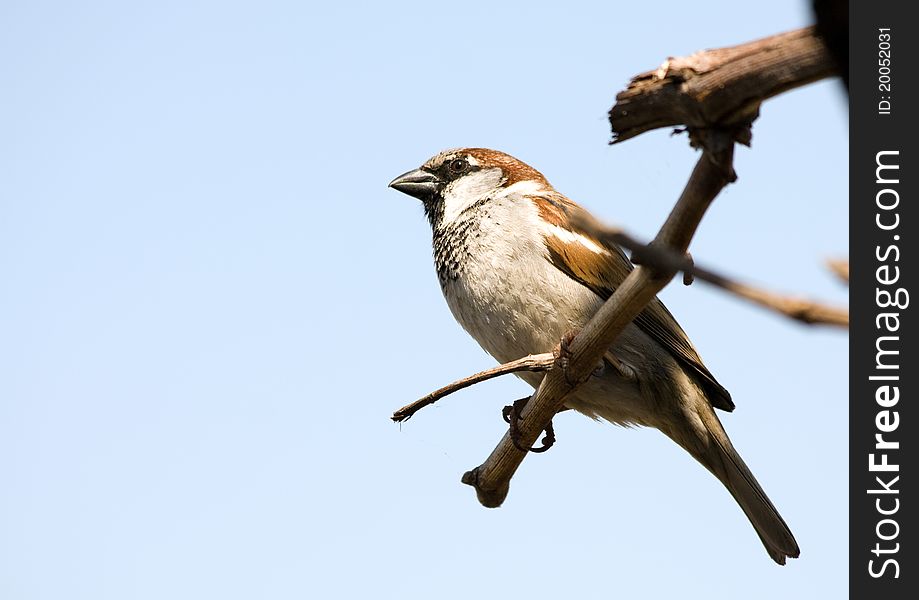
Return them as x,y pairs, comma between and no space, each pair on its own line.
452,242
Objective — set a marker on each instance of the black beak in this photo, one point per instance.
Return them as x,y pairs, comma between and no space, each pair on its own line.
417,183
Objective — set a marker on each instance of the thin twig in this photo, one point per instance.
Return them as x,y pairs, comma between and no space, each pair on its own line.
840,268
533,362
799,309
805,311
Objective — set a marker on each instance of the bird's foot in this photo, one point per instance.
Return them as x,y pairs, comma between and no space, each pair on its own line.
624,370
511,414
562,354
563,351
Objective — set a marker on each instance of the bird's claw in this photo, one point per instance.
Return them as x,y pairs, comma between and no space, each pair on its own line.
563,352
511,415
624,370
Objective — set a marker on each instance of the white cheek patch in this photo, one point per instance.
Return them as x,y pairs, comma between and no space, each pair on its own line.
575,238
467,190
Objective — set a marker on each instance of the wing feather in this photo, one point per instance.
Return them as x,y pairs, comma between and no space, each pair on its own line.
602,270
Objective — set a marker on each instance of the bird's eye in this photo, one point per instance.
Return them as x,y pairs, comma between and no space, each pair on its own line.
458,165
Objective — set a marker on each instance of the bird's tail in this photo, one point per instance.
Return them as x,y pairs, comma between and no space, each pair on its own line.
718,455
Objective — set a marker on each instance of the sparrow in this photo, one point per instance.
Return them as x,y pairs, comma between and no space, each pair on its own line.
518,274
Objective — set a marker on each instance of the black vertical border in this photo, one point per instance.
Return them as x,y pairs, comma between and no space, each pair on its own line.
872,132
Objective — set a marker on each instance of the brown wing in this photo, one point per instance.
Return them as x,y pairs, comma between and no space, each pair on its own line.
600,271
657,322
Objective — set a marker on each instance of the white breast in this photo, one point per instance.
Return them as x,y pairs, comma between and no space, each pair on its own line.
504,291
507,295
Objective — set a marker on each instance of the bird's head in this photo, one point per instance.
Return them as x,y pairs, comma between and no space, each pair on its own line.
454,180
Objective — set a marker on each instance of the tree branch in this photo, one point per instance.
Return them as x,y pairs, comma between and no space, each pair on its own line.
720,87
840,268
805,311
533,362
491,479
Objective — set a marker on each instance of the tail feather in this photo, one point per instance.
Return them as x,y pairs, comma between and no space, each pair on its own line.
718,455
769,524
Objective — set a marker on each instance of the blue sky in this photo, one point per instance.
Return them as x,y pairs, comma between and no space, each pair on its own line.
211,303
